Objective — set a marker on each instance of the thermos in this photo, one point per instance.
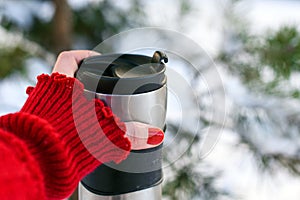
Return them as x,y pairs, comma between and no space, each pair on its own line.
134,86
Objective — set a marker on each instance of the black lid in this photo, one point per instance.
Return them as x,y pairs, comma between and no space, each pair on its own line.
123,73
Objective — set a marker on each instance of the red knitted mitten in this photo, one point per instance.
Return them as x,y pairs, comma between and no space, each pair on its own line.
68,134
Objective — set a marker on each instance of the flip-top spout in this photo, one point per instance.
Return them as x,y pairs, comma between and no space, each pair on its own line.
158,57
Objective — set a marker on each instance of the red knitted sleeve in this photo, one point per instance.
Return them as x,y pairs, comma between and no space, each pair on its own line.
68,135
20,174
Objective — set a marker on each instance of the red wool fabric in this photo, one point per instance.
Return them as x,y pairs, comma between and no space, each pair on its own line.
56,139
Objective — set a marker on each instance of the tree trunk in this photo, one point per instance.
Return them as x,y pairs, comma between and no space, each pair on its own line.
62,26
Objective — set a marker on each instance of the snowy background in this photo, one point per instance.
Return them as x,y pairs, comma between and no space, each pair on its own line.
240,176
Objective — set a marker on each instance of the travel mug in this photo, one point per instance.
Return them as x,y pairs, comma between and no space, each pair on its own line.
134,86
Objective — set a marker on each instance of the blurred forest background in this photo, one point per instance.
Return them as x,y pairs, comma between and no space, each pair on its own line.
258,153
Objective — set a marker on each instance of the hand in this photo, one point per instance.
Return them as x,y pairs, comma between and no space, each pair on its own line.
67,61
141,136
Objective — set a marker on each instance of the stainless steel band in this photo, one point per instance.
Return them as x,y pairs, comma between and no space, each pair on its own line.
153,193
135,107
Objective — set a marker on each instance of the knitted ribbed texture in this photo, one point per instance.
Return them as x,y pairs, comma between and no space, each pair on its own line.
20,175
68,135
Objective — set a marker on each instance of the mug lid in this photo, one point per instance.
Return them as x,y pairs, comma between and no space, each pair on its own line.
123,73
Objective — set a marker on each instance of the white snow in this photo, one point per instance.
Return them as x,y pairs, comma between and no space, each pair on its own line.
241,176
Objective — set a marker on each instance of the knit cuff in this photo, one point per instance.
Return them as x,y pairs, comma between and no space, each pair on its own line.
60,101
69,134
